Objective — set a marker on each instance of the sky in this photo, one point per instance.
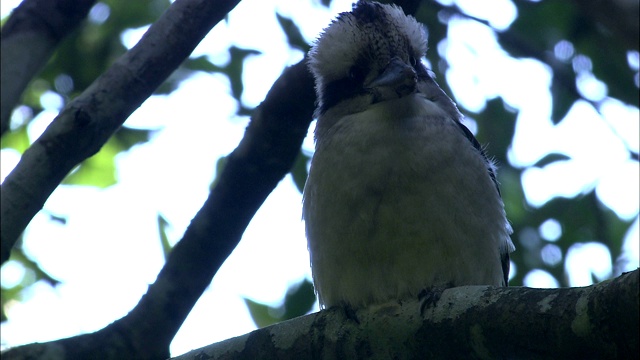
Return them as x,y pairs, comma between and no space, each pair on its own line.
109,252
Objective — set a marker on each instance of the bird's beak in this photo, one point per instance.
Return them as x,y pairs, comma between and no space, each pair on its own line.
398,76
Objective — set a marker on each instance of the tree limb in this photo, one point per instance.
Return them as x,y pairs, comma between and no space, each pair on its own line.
471,322
88,121
28,39
264,156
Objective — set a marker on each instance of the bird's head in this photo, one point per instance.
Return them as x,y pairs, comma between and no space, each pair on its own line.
370,55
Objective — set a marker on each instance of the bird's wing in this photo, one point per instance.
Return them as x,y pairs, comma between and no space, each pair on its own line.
504,256
478,147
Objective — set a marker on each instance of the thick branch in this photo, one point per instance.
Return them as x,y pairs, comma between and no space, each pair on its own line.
264,156
473,322
28,39
87,122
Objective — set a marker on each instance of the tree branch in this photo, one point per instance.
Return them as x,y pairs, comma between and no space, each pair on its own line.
472,322
87,122
264,156
28,39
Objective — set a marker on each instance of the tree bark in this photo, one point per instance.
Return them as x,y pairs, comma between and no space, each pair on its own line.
264,156
87,122
471,322
29,37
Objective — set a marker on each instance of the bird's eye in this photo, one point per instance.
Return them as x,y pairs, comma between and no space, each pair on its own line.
356,73
413,61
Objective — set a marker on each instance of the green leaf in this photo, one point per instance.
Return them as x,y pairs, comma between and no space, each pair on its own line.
220,164
202,63
98,170
608,55
127,137
562,100
551,158
17,139
299,171
559,19
298,301
496,126
260,313
163,225
32,274
18,255
234,69
245,111
172,83
293,34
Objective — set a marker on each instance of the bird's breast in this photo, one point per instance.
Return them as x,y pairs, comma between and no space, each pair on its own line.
394,195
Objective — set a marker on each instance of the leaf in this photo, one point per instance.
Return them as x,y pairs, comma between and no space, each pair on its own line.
551,158
559,19
244,111
172,83
562,100
18,255
608,55
202,63
133,14
220,164
299,171
298,301
62,220
496,126
260,313
163,225
17,139
186,69
292,32
98,170
128,137
234,69
32,274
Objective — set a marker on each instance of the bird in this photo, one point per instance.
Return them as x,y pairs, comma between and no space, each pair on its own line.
400,196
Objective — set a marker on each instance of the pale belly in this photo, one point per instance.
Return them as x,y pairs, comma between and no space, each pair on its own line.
400,208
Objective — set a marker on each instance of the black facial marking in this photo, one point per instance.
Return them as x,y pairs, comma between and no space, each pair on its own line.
339,90
357,73
347,87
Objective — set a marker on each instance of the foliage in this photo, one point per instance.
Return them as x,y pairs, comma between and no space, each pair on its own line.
297,302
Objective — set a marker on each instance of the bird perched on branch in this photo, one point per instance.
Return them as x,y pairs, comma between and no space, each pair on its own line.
400,195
